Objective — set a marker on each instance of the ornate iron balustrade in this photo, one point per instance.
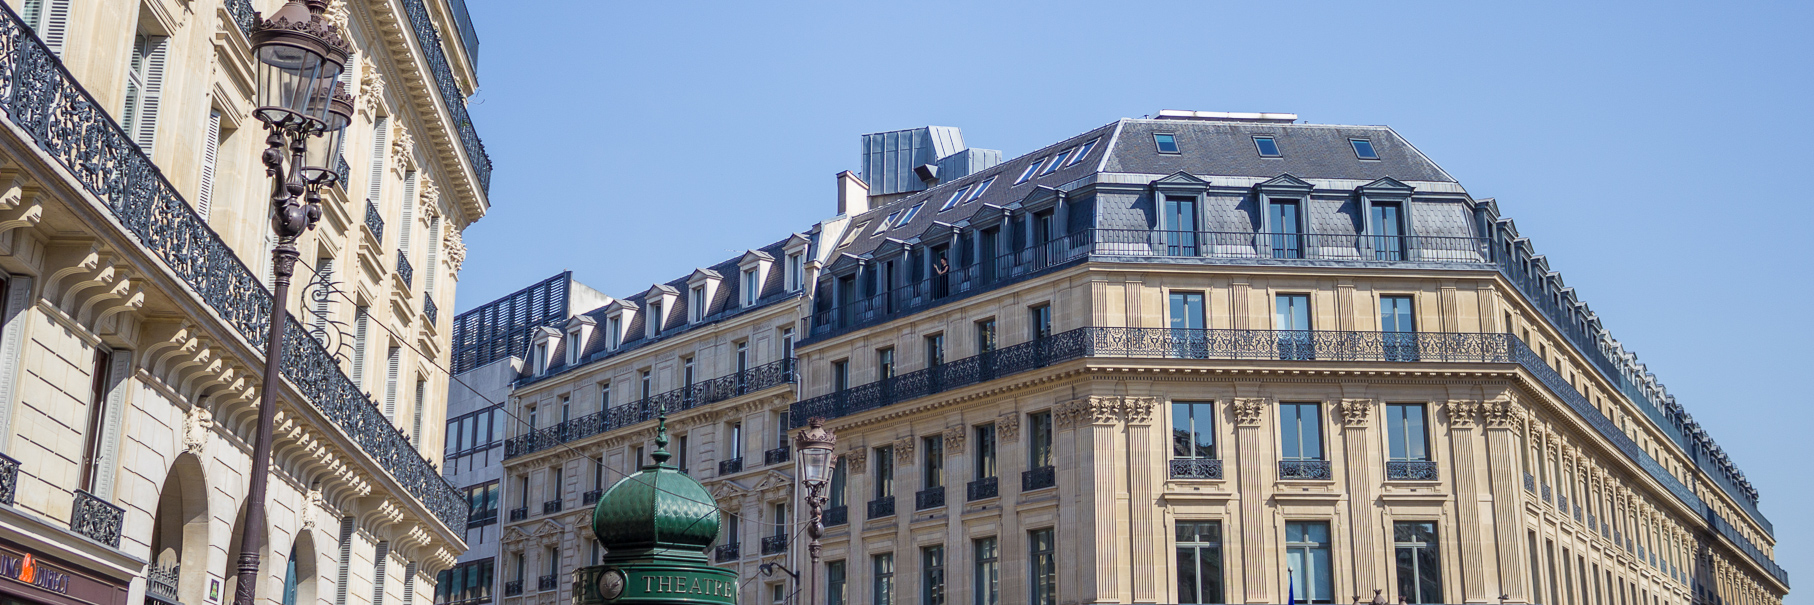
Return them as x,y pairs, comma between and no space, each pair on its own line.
1304,469
777,455
1530,483
429,310
591,497
343,172
482,518
931,497
519,513
69,126
1562,503
374,221
1546,496
734,465
548,582
718,389
774,545
1578,512
1038,478
1411,470
836,515
9,479
1196,468
96,518
160,583
405,270
513,588
881,507
550,507
428,40
983,489
728,552
243,15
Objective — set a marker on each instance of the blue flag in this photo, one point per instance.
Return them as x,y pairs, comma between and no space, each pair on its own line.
1291,590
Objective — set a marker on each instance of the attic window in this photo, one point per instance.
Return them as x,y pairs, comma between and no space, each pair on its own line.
1363,149
1085,150
887,221
981,188
1059,161
851,236
955,198
908,216
1267,147
1031,170
1167,142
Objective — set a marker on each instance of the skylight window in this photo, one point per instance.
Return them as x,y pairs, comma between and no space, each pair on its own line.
1268,148
1085,150
1059,161
1167,142
908,216
1031,169
1363,149
887,222
851,236
981,188
955,198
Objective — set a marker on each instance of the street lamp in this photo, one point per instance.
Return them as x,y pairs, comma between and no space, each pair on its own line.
815,445
300,57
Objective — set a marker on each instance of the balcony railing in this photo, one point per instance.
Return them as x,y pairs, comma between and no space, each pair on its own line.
734,465
591,497
1038,478
728,552
1411,470
9,479
774,545
343,172
96,518
881,507
931,497
776,456
548,582
1196,468
1562,504
836,515
755,379
982,489
519,513
513,588
1546,496
243,15
160,583
550,507
405,270
1304,469
428,40
374,220
429,310
67,124
1530,483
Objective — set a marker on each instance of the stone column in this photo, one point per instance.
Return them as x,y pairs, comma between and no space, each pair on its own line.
1145,528
1502,417
1362,491
1475,561
1256,467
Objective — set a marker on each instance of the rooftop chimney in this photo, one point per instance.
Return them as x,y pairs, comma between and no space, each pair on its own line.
853,194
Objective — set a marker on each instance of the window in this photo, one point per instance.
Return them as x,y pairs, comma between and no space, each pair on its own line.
50,19
934,464
1307,555
144,88
1042,551
780,520
654,319
885,363
1405,432
541,358
684,446
837,498
361,327
1267,147
986,583
1057,162
648,385
1300,431
614,332
1363,149
932,575
1039,444
980,188
482,500
1419,567
955,198
935,350
834,584
1180,224
381,129
1165,142
686,372
787,343
985,336
696,303
1039,321
985,450
796,271
1199,562
752,288
1084,151
1032,169
884,479
907,217
883,590
1292,319
574,347
1386,222
1193,430
393,359
840,375
1188,321
604,396
1285,230
777,592
735,447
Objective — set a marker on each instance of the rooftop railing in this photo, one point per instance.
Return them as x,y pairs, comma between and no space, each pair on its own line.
684,398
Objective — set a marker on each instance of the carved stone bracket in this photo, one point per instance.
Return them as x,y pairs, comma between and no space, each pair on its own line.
856,458
197,425
1462,413
903,451
1355,412
1138,410
954,440
1007,427
1249,411
1502,414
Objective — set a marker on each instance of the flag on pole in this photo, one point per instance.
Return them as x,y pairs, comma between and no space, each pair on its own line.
1291,590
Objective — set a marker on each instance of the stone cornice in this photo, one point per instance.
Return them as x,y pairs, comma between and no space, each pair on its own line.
388,22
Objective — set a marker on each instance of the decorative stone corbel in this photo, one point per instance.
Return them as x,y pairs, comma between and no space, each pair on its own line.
1007,427
198,424
1138,410
1355,412
903,451
371,87
1463,413
455,246
856,458
953,440
1249,410
403,148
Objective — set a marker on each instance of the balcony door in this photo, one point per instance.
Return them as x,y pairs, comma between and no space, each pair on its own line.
1398,328
1188,339
1387,227
1286,231
1293,324
1179,224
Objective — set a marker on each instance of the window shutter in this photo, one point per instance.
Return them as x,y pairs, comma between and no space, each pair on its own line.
361,317
379,560
380,145
434,255
156,51
409,583
50,18
135,86
409,211
415,431
392,357
204,194
346,560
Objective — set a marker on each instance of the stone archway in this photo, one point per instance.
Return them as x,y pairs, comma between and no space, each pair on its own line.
178,571
300,573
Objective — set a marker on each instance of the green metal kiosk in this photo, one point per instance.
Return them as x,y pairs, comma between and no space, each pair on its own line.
657,525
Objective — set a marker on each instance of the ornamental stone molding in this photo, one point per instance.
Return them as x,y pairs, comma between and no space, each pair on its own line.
403,149
455,245
856,458
1355,412
1007,427
197,425
1502,414
1138,410
428,199
903,451
954,440
1249,411
371,86
1463,413
338,14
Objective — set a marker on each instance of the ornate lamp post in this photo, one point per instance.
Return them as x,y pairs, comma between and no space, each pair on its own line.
300,57
815,445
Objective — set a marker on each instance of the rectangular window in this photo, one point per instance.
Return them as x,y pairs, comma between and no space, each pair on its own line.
735,447
1300,431
381,129
985,450
1165,142
144,88
883,592
1193,429
780,519
1399,327
1405,432
684,447
934,463
1085,150
1363,149
884,479
1387,227
1267,147
97,416
1307,556
1039,443
393,359
1042,554
696,303
911,212
654,319
648,384
361,328
955,198
1419,566
932,575
1285,229
1292,320
1180,225
1032,169
687,373
752,288
1059,161
204,190
1186,311
1199,562
604,396
834,584
1039,322
986,583
837,497
840,375
935,350
796,271
614,332
885,363
985,336
980,188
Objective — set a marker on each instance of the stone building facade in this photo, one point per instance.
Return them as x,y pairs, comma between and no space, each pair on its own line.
135,250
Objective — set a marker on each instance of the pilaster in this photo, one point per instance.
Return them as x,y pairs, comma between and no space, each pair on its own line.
1356,415
1462,417
1256,469
1502,418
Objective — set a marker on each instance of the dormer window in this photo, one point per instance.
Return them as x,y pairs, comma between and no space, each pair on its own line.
1267,147
752,287
653,321
696,304
1363,149
614,332
541,358
1165,142
796,271
575,346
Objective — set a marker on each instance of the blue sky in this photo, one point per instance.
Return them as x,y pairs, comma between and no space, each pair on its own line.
1652,151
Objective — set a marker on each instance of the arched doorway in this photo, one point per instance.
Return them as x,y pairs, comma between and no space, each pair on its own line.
178,571
299,573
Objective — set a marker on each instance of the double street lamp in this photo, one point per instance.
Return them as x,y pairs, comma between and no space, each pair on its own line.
300,57
815,445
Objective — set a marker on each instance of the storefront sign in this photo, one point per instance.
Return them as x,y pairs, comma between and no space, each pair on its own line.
657,583
34,577
27,569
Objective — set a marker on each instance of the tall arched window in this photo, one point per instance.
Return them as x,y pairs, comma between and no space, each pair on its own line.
290,579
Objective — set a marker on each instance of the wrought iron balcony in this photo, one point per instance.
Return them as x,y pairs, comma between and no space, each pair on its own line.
734,465
9,479
774,545
243,15
482,518
728,552
1411,470
548,582
836,515
374,220
428,40
160,583
1530,483
983,489
552,506
96,518
931,497
1196,468
776,456
513,588
1546,496
590,498
1578,512
429,310
881,507
343,172
405,270
1562,503
1038,478
753,380
1304,469
519,513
